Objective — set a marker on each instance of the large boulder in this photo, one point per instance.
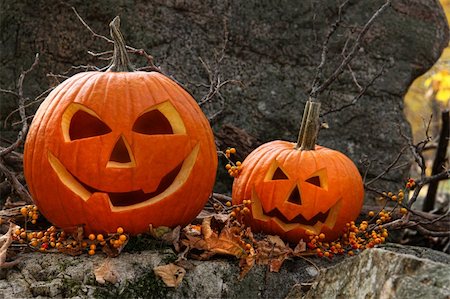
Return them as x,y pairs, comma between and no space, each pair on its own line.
389,272
271,47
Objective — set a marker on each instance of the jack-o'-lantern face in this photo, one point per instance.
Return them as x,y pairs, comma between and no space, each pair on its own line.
294,191
120,149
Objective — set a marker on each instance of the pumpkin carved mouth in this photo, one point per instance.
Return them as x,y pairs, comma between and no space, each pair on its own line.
120,201
315,224
134,197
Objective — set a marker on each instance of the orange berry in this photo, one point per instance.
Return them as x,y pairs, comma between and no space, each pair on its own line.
322,236
100,237
91,252
23,211
232,150
228,204
91,237
120,230
238,163
371,213
122,238
92,247
228,166
403,210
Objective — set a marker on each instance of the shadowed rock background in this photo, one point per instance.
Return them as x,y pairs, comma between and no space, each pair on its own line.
272,48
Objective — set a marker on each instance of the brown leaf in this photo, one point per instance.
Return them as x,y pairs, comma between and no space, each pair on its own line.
171,274
300,248
276,240
106,273
192,230
206,228
272,251
275,265
5,242
159,231
172,237
246,263
167,235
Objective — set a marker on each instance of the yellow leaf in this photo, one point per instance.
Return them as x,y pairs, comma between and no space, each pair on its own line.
443,95
171,274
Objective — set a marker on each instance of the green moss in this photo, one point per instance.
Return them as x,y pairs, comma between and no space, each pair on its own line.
147,286
70,288
144,242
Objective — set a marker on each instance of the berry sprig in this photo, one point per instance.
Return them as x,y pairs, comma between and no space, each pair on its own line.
53,240
233,168
241,210
354,239
30,212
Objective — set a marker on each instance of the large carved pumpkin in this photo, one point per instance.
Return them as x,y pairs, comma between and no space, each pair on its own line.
120,148
293,191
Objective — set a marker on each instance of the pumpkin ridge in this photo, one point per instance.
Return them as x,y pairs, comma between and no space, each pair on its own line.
47,110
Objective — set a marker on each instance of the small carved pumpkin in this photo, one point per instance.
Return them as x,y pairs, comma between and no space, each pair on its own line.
120,148
293,191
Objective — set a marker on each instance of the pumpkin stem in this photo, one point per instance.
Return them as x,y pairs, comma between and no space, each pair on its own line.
120,61
309,128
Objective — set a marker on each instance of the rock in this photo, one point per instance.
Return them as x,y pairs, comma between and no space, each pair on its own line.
272,48
391,271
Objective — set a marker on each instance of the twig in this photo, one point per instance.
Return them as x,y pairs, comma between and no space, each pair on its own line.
141,52
323,56
389,168
22,112
18,187
316,90
360,94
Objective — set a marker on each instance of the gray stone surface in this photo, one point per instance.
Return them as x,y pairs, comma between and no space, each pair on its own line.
273,48
389,272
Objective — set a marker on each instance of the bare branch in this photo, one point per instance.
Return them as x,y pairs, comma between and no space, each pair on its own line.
323,56
141,52
357,97
316,90
22,113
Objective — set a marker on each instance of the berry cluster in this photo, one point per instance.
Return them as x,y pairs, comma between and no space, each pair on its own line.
116,241
355,238
233,168
240,210
410,184
30,212
52,239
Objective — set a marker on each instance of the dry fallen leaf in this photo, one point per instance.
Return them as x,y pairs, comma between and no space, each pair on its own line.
171,274
275,240
272,251
106,273
5,242
300,248
167,235
158,232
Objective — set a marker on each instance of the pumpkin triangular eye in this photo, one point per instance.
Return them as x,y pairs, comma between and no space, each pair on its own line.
152,122
84,125
279,175
315,180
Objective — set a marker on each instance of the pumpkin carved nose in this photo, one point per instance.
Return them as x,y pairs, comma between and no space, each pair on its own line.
121,156
294,197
